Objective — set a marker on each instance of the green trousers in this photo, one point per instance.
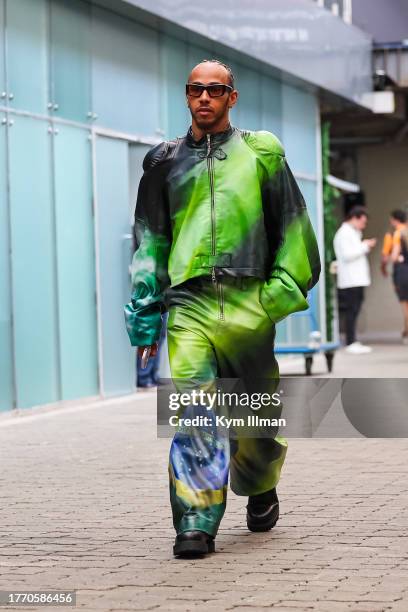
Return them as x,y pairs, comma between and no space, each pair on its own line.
219,330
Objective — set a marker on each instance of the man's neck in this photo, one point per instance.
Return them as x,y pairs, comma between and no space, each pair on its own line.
198,133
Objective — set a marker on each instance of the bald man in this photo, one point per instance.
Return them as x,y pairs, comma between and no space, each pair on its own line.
226,246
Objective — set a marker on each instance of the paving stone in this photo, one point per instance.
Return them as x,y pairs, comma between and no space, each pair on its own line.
88,510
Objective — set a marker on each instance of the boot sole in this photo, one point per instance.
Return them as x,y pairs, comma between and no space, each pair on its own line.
193,549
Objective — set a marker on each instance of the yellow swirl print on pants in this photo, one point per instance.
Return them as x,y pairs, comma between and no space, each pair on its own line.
219,330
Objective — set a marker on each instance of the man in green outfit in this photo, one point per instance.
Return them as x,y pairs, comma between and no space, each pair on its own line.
226,246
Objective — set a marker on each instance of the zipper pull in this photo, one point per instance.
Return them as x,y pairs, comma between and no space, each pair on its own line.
213,275
208,145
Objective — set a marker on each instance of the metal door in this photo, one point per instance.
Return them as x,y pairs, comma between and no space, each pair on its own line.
77,320
116,179
6,352
33,263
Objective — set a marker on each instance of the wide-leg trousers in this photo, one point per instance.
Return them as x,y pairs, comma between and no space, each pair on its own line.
219,330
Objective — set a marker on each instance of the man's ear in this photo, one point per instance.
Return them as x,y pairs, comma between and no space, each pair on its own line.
233,98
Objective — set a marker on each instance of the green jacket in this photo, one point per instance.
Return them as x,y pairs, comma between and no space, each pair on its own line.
225,205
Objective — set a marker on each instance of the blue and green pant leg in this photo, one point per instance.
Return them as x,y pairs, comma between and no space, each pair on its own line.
219,330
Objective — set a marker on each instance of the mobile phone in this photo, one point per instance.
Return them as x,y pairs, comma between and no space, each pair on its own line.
145,357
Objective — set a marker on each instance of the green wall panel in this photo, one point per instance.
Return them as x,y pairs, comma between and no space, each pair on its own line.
33,263
118,358
87,60
71,59
2,53
6,353
299,110
248,110
299,327
309,190
125,74
296,329
196,54
299,133
271,105
27,71
175,69
75,263
281,333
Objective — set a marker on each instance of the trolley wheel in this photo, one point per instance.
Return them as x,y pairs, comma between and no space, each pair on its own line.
329,360
308,364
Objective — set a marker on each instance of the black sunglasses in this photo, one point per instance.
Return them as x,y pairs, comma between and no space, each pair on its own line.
215,90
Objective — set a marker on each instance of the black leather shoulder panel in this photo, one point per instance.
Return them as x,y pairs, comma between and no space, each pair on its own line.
160,153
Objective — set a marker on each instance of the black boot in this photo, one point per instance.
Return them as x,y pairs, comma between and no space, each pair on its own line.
262,511
193,544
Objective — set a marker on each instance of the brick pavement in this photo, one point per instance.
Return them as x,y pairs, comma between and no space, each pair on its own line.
85,507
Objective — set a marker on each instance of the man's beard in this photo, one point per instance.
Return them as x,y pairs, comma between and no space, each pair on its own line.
205,124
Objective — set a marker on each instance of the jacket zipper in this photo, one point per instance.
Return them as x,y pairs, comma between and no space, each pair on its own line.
217,284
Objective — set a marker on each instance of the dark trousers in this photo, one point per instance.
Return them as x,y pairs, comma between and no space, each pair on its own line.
350,301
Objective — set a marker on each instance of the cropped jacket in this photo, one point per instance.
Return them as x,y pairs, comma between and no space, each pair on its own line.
226,205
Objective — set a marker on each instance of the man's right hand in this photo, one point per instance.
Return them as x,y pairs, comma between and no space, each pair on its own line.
154,348
370,242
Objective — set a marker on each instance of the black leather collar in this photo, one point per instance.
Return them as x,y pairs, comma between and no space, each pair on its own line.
216,139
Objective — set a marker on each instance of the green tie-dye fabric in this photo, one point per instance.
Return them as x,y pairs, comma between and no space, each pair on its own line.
227,206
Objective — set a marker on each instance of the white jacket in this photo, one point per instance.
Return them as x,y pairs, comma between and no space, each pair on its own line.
352,262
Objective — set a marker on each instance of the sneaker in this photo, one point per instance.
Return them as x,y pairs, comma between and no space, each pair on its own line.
404,337
356,348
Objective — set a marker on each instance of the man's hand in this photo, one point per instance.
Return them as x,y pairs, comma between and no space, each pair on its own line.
370,242
384,270
154,347
384,266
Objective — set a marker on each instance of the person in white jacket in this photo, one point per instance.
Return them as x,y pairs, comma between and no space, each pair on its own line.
353,272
